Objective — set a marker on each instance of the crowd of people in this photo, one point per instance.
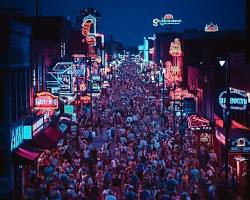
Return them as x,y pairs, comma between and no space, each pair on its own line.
141,157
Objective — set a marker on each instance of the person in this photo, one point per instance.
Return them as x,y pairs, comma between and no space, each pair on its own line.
110,196
194,175
184,196
130,195
172,185
211,191
195,193
144,194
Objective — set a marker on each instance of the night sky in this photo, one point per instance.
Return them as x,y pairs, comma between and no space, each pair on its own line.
130,20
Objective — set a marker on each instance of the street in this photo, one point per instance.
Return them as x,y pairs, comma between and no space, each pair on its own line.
134,154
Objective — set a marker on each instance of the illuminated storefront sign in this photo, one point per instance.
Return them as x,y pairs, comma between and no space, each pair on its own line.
105,84
240,145
17,137
65,118
86,99
91,40
211,28
198,123
220,137
180,93
63,49
205,137
61,78
238,99
32,130
88,24
166,20
74,117
37,126
46,100
174,71
62,127
69,109
82,85
175,48
152,38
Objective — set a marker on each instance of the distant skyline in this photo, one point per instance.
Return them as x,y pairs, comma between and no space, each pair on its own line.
129,21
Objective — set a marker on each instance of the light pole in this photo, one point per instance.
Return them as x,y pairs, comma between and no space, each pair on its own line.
163,91
181,124
91,95
227,119
174,109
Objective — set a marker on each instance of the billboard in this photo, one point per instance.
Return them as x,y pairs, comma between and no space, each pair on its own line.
168,19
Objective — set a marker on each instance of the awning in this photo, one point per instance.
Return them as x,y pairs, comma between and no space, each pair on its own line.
28,153
239,136
239,139
47,139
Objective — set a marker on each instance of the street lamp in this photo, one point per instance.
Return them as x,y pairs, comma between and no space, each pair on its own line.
227,122
163,71
163,90
91,95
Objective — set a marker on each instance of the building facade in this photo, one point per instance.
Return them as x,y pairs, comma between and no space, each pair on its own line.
15,87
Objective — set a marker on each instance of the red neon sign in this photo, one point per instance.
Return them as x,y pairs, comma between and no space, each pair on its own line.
211,28
46,100
86,26
197,123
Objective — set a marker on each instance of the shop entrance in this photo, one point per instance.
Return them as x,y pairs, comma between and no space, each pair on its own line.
242,170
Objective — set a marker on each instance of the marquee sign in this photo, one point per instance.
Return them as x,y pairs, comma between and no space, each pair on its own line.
46,100
240,145
211,28
168,19
238,99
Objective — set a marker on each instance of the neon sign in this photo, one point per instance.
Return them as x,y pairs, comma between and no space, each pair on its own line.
46,100
238,99
86,99
198,123
211,28
166,20
17,137
175,48
64,118
37,126
174,71
220,137
87,24
240,145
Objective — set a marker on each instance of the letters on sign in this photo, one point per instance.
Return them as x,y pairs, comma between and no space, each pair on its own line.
46,100
238,99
